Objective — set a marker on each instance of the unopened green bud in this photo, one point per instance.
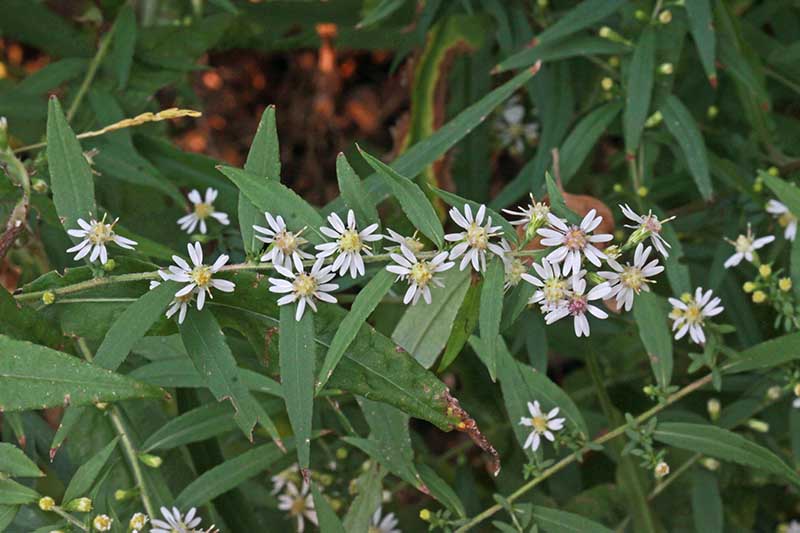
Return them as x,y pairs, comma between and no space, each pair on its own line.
618,188
153,461
40,186
666,69
81,505
122,495
712,112
714,409
665,17
773,393
710,463
3,133
758,425
341,454
640,15
654,120
110,265
48,297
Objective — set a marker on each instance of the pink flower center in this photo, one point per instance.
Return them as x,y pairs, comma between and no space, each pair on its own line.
577,305
575,238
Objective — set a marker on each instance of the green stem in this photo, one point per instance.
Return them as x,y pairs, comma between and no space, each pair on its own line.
105,43
69,518
566,461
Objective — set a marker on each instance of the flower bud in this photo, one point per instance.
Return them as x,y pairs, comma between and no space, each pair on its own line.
712,112
607,83
425,515
797,390
102,406
81,505
3,133
341,454
710,463
642,191
40,186
665,17
686,297
748,287
758,425
774,393
613,61
759,297
102,522
618,188
148,459
138,521
48,297
714,408
46,503
640,15
773,171
654,120
542,3
765,270
666,69
110,265
122,494
605,32
326,480
661,470
785,284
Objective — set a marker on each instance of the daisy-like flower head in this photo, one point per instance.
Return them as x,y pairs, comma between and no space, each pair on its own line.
541,424
512,132
689,314
175,522
631,279
349,243
96,234
102,522
137,522
386,524
284,245
304,288
793,527
577,304
420,274
647,226
287,475
533,216
574,242
202,209
412,243
785,218
745,246
299,504
180,304
552,288
475,240
198,278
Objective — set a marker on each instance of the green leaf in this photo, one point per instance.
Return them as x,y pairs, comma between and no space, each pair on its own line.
264,161
354,194
492,311
707,508
412,200
723,444
557,203
13,493
82,482
555,521
766,355
276,198
575,46
464,324
497,219
14,462
70,174
24,323
650,313
124,44
685,131
199,424
440,490
328,521
389,433
367,500
7,515
365,303
35,377
639,89
214,361
584,137
297,349
379,12
230,474
701,25
424,328
582,16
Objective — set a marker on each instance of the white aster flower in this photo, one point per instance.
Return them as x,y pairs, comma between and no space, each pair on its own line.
793,527
287,475
542,425
199,278
577,304
304,288
137,522
412,243
387,524
96,234
102,522
689,314
647,226
420,274
284,245
512,131
631,279
785,218
202,210
299,503
180,304
553,288
175,522
349,243
574,242
745,246
475,240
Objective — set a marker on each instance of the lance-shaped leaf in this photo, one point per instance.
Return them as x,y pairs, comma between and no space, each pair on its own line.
683,128
328,521
7,515
354,194
84,478
767,354
368,499
639,89
582,139
14,462
554,521
582,16
492,311
412,200
199,424
182,373
707,510
124,44
13,493
35,377
263,160
70,174
575,46
214,361
650,313
463,325
701,25
297,360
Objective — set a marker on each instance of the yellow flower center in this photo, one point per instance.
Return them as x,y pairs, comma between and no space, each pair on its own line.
421,273
350,241
554,289
632,278
201,276
477,237
203,210
693,314
515,130
743,243
786,218
575,239
515,271
304,285
539,424
286,242
298,506
100,233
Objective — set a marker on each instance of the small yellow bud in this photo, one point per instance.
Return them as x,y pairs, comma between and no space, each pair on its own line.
774,393
101,405
710,463
39,186
336,504
102,522
121,494
82,505
785,284
640,15
665,17
686,297
110,265
326,479
661,470
759,297
654,120
797,390
613,61
758,186
748,287
48,297
605,32
714,407
666,68
425,515
138,521
758,425
341,454
712,112
47,503
773,171
153,461
607,83
542,3
765,270
642,191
